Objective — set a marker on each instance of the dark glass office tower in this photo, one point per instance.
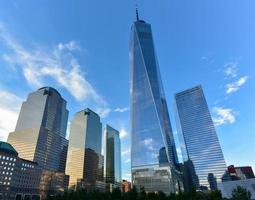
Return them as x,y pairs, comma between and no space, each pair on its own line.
41,129
199,141
84,150
150,124
112,155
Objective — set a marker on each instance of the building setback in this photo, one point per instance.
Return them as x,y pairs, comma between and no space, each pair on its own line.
151,132
201,149
84,164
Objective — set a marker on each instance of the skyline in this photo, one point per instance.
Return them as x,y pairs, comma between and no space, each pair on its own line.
88,57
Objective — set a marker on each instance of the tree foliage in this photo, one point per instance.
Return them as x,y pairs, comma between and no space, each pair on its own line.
238,194
241,194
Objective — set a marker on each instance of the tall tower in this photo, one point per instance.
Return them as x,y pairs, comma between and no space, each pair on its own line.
150,124
199,141
41,129
112,155
84,150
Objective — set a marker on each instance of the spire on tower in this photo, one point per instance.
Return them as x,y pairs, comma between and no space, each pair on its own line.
137,14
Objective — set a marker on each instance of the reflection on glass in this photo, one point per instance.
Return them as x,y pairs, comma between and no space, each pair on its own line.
152,138
198,137
84,150
112,155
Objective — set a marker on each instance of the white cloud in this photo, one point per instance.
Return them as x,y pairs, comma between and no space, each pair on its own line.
126,176
9,110
235,86
103,111
121,110
123,133
223,116
70,46
231,69
125,152
58,64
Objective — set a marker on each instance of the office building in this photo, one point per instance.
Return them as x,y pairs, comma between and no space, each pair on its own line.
19,178
112,170
198,137
40,132
151,131
84,150
227,187
53,183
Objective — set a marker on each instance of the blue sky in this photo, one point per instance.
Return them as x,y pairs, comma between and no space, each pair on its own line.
81,49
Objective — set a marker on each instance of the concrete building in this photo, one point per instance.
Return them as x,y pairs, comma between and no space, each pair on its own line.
227,187
240,173
18,177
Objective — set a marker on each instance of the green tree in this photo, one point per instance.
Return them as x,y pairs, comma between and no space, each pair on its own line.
241,194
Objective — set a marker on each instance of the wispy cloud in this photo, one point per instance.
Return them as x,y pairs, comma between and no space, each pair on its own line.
231,69
235,86
59,64
9,110
223,116
126,176
121,110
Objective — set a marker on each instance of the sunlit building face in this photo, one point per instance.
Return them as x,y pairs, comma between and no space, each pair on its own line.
84,150
151,132
41,129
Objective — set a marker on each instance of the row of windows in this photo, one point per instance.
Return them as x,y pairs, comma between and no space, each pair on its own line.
9,168
7,173
27,165
7,158
7,163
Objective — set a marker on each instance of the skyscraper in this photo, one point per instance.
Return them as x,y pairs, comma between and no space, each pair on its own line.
41,129
150,124
199,141
112,155
84,150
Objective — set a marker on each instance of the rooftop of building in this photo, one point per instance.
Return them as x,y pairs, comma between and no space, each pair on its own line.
87,111
7,148
49,89
195,88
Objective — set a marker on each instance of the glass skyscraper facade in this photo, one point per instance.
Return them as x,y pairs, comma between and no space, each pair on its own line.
112,157
41,129
84,150
151,132
199,141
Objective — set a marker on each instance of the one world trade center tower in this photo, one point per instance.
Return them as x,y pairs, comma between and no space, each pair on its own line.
153,152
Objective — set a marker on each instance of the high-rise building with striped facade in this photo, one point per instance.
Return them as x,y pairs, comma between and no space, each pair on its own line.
200,145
